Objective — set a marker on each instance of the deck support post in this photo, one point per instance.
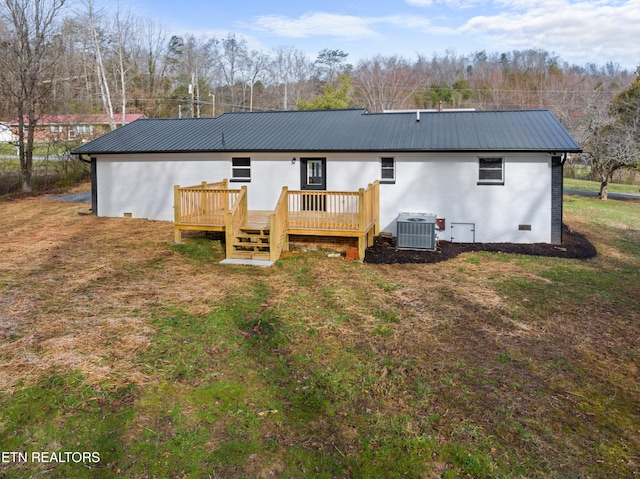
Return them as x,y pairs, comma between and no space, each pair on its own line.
375,208
228,235
362,237
177,234
362,242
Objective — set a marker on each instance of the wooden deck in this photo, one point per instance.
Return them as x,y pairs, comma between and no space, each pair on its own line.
258,219
260,234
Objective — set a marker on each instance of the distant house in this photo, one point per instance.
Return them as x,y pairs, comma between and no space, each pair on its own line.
82,127
480,176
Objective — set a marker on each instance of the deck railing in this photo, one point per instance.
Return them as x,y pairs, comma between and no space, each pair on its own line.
334,210
218,185
234,219
206,203
323,210
278,221
371,207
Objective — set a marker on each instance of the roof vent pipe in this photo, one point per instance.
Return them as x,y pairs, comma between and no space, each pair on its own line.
418,115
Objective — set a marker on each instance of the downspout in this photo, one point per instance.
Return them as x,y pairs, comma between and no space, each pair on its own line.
565,155
94,183
560,185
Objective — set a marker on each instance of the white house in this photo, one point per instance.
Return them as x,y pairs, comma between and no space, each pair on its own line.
6,134
488,176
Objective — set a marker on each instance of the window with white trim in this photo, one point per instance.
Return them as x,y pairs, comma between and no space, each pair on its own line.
491,171
241,169
84,129
387,170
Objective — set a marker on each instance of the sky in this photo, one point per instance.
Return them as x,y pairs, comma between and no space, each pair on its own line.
577,31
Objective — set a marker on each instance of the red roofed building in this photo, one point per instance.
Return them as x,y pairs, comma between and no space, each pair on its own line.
81,127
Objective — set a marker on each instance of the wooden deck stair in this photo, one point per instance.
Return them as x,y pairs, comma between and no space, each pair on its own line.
251,243
252,239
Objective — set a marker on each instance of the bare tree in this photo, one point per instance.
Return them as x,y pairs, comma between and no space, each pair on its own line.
254,64
385,83
228,54
153,40
610,144
194,72
94,34
289,72
28,65
124,26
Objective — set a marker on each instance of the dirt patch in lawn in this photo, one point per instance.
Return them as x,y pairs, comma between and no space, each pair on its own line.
574,245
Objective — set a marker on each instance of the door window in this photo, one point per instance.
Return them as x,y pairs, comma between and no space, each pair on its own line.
313,174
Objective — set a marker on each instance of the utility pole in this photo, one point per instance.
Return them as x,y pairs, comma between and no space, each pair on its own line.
192,91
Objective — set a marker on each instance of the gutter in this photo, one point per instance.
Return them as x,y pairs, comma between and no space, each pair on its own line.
82,159
316,151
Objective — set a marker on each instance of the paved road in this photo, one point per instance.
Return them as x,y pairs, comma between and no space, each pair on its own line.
84,197
621,196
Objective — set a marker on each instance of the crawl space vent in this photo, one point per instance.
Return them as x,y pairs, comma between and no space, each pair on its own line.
416,231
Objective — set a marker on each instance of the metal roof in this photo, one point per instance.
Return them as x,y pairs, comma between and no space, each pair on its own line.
341,130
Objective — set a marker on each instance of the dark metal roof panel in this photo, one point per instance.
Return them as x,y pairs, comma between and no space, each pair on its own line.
342,130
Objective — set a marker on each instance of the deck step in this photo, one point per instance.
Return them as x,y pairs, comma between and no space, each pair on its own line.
255,231
251,237
252,242
251,247
251,255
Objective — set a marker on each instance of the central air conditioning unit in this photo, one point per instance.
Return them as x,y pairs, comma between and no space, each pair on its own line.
416,231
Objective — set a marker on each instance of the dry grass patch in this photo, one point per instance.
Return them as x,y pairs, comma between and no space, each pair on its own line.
78,291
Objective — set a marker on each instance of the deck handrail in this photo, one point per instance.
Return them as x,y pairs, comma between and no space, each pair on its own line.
218,185
330,210
235,218
278,221
195,205
371,207
334,210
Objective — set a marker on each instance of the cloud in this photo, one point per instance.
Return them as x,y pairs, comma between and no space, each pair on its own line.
457,4
347,27
420,3
578,30
316,24
405,21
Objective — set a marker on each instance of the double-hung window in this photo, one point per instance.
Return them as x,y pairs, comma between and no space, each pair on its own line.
387,170
491,171
84,129
241,169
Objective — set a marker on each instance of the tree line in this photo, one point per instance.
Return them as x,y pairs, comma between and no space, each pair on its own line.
58,58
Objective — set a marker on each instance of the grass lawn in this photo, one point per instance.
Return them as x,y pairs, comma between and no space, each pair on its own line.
156,361
41,148
587,185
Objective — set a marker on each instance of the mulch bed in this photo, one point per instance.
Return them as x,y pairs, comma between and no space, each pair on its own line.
574,245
